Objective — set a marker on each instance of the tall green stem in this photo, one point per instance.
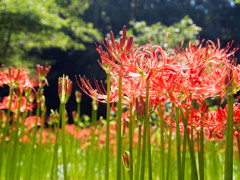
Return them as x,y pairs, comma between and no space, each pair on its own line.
162,142
191,150
149,151
145,133
93,140
107,129
64,143
183,156
201,155
55,151
138,152
131,140
119,127
178,146
78,111
229,141
170,143
16,141
5,130
33,142
238,144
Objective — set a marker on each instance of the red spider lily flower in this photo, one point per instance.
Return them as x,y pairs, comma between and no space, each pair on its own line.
14,106
216,122
42,72
48,137
30,122
204,69
17,79
119,54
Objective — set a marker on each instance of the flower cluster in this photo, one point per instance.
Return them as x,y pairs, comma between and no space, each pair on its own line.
196,72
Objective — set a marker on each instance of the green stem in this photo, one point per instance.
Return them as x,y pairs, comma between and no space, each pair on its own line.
5,130
162,142
40,145
55,152
201,157
144,133
178,146
16,141
183,156
33,143
138,152
238,144
131,140
169,143
64,142
107,129
190,145
42,125
229,141
149,150
78,111
119,128
93,141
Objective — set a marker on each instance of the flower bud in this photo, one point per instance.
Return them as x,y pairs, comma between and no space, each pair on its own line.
126,160
140,106
64,89
75,116
78,96
95,105
228,80
53,117
42,101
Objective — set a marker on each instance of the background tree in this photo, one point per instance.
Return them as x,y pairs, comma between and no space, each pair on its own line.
28,26
158,33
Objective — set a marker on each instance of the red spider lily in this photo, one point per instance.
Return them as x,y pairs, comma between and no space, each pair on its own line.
204,69
17,79
42,72
119,54
14,106
216,122
30,122
146,62
48,137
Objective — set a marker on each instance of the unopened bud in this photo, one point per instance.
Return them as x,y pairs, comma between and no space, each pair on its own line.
31,97
75,116
64,89
228,80
140,106
78,96
42,101
94,105
126,160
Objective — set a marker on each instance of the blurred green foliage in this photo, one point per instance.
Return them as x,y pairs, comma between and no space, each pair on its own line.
158,33
28,25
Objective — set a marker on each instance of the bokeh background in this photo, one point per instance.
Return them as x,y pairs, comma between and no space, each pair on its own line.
63,33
